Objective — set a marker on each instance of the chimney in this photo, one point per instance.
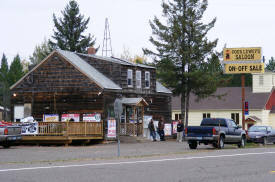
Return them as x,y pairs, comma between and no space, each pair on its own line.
91,50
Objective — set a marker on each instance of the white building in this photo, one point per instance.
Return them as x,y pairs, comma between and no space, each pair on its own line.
260,98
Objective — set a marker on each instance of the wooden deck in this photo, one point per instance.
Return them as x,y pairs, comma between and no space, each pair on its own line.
65,132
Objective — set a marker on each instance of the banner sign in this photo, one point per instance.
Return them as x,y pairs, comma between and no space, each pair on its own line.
95,117
29,128
146,120
111,128
50,117
242,54
167,129
244,68
246,110
175,123
70,117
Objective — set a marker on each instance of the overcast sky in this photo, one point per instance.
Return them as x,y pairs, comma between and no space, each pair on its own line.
240,23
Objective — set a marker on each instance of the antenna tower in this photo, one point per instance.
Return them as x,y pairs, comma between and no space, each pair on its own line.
107,46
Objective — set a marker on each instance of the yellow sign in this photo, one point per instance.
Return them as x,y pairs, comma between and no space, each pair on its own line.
242,54
244,68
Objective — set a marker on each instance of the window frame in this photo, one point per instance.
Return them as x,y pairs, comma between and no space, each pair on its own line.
149,82
206,115
236,118
138,72
128,78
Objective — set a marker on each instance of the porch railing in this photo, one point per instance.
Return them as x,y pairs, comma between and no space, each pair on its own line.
131,129
69,128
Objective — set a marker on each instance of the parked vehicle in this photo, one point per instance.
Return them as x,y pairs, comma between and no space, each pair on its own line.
215,131
261,134
9,134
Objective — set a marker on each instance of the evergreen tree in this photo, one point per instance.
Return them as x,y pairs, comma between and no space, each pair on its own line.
4,85
182,50
16,70
69,30
271,64
41,52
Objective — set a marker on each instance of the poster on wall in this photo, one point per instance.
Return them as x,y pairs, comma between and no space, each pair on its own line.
29,128
167,129
175,127
111,128
70,117
146,120
50,117
95,117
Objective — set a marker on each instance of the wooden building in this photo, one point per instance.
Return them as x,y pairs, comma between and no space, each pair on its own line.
67,82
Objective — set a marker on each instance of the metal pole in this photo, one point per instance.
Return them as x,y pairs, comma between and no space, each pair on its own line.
243,99
118,134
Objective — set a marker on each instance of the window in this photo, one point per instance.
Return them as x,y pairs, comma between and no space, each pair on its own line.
178,116
206,115
235,117
130,78
147,79
261,80
138,79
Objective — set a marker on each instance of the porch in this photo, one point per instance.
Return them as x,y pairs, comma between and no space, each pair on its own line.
65,132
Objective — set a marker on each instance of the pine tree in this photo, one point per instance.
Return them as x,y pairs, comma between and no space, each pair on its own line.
69,30
16,70
4,85
183,51
271,64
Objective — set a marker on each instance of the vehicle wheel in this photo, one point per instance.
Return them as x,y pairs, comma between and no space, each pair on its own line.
265,141
242,143
221,143
6,146
193,145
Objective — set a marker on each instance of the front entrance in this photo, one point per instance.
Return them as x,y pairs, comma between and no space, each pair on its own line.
132,117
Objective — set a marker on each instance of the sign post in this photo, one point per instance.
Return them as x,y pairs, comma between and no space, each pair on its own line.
118,110
243,61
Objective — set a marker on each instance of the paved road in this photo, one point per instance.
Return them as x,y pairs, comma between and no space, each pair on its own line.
158,161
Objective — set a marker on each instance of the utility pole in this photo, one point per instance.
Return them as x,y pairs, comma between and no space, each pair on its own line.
243,100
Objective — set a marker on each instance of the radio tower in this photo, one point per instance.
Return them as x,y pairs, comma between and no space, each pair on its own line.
107,46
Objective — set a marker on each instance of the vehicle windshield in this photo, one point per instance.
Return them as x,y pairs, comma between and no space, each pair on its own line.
257,129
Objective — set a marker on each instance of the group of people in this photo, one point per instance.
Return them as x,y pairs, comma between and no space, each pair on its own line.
160,130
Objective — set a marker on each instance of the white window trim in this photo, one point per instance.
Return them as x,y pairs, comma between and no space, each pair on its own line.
146,80
130,71
138,80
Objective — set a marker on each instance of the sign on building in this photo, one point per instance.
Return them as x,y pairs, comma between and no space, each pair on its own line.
246,110
244,68
242,54
111,128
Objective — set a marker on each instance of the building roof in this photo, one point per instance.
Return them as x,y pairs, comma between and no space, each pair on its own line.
92,73
116,60
231,100
89,70
134,101
161,89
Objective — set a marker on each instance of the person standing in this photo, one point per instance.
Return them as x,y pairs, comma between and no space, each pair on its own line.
161,130
179,131
152,130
